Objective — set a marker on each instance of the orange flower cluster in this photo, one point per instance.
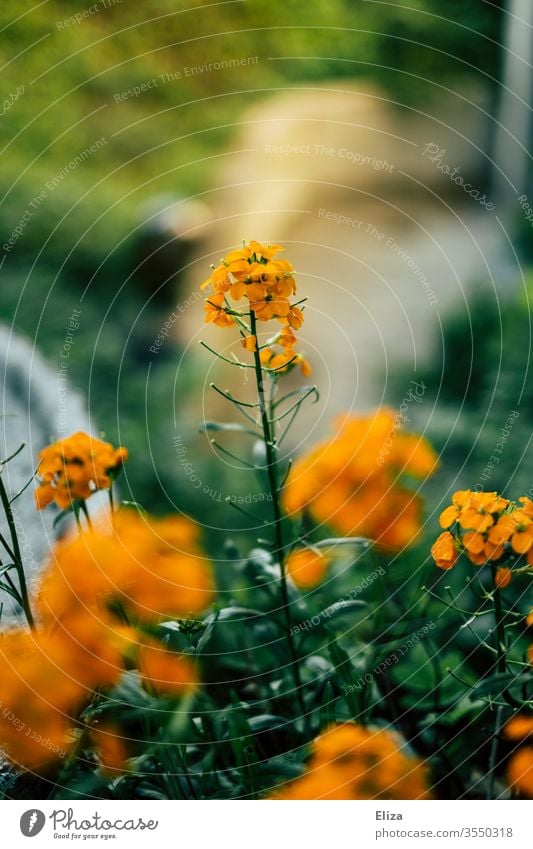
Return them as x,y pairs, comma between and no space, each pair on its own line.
353,481
486,527
72,469
520,767
99,591
352,762
266,284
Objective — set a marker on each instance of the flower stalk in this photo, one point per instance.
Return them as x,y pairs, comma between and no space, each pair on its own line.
269,437
14,550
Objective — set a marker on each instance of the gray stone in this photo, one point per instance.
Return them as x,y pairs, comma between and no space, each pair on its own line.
36,400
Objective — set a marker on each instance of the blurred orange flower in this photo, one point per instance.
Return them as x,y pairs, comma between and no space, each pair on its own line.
165,672
111,749
307,567
352,762
503,578
37,698
353,481
520,766
152,568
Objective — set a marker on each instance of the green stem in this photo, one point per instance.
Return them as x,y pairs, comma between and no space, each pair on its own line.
493,756
17,556
498,616
85,512
271,468
501,663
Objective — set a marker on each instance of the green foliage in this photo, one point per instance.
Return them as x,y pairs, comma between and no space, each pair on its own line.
74,77
480,379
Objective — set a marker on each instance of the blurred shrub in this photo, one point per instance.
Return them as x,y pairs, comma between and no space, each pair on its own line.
480,381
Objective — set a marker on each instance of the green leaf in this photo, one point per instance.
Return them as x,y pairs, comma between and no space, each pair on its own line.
215,427
327,709
340,608
61,515
135,506
500,681
266,721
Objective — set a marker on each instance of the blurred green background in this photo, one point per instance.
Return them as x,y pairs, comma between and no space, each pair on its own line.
83,241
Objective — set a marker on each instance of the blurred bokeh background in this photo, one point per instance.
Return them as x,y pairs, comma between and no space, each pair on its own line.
385,144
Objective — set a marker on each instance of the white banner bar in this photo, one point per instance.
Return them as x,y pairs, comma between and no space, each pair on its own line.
268,825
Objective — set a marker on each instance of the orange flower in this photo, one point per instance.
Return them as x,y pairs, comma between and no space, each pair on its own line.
474,544
287,339
249,343
74,468
519,727
493,552
516,528
150,567
264,251
37,698
307,567
449,516
269,306
527,506
352,762
285,361
165,672
295,317
522,538
444,551
503,578
215,311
